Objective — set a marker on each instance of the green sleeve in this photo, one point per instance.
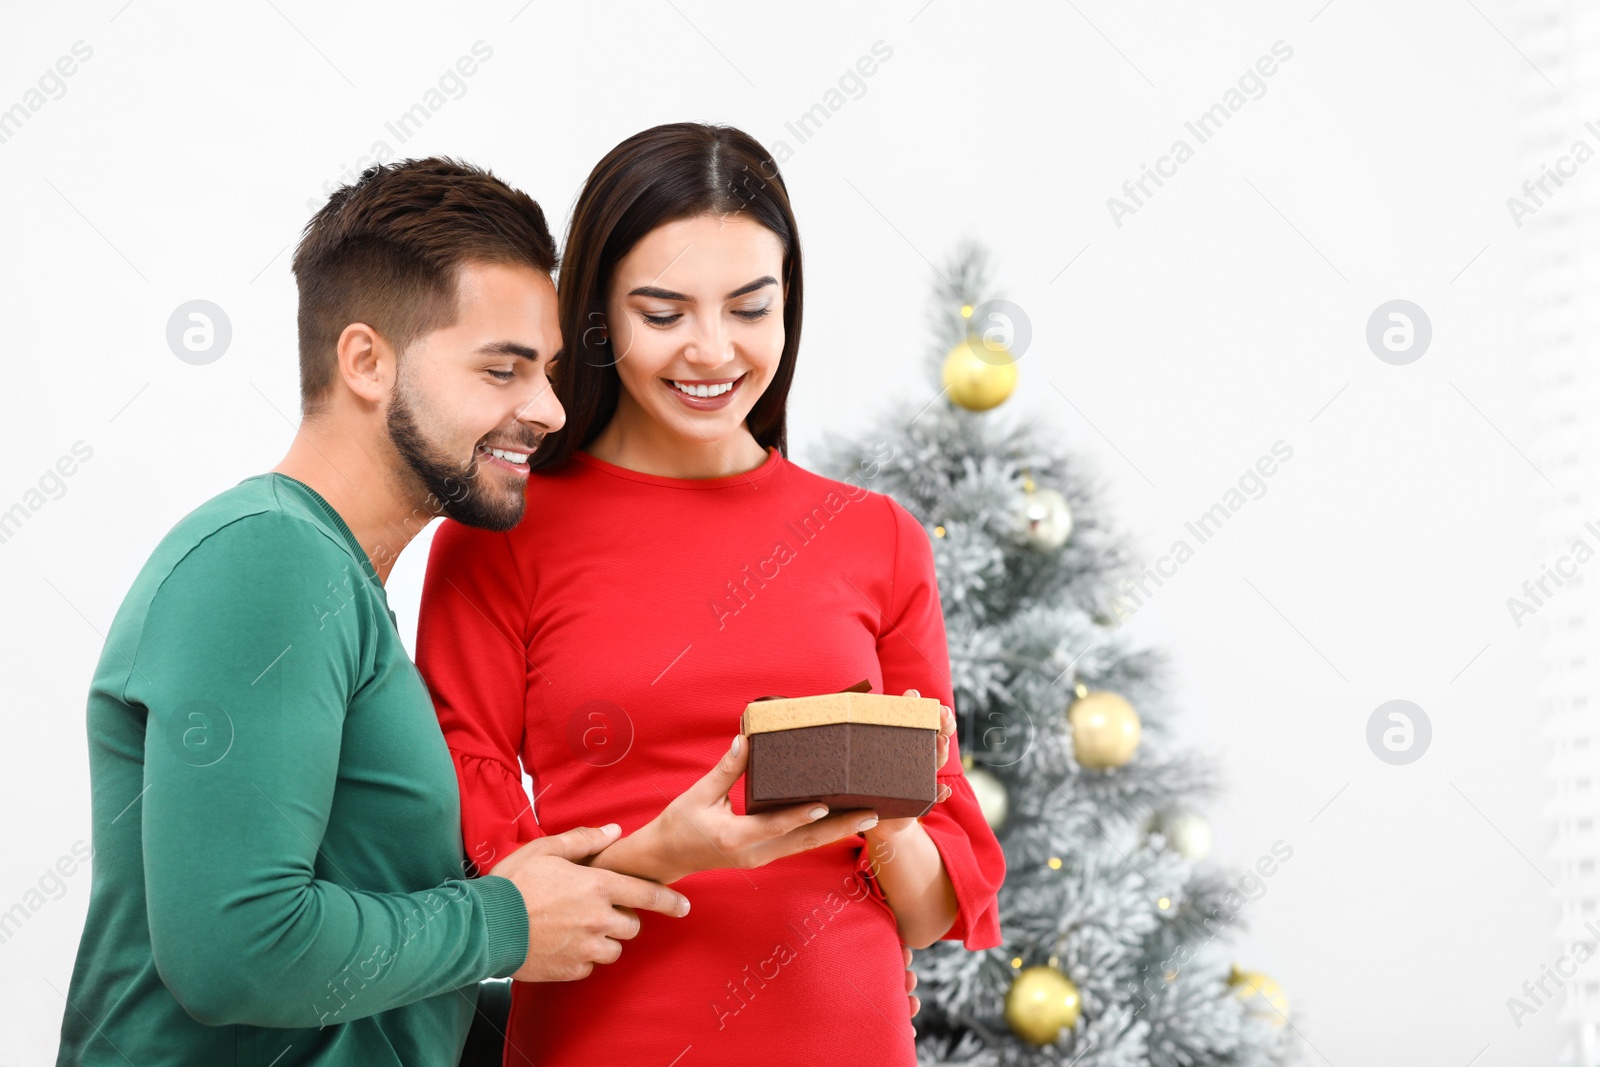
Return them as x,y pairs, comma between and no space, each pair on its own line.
236,652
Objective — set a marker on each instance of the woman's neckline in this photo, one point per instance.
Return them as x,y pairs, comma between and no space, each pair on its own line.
771,463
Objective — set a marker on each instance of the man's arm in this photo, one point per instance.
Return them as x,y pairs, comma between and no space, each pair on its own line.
246,685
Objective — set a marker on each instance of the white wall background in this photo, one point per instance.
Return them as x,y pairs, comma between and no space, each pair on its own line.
1226,314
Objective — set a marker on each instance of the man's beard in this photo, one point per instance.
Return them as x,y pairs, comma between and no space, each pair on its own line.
457,491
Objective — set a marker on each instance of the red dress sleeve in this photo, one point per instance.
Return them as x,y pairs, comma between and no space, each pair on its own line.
472,654
913,654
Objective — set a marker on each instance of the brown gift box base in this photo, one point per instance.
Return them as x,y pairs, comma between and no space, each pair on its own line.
845,764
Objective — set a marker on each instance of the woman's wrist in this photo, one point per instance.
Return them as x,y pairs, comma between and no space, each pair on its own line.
889,831
633,855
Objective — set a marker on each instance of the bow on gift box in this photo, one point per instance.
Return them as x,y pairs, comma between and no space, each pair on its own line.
862,686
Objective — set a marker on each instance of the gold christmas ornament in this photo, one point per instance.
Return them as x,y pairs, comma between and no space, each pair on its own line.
1105,730
1264,998
991,794
1040,1004
1046,519
978,374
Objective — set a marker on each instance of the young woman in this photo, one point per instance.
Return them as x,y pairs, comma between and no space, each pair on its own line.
673,565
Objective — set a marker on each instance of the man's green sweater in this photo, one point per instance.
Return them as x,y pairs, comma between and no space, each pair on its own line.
278,870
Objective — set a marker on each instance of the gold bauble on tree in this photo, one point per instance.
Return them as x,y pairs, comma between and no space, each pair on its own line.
979,374
1264,998
1040,1004
1105,729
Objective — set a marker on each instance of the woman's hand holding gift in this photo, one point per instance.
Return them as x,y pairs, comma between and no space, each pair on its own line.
699,830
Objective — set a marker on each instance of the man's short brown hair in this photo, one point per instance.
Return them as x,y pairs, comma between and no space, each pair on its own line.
387,251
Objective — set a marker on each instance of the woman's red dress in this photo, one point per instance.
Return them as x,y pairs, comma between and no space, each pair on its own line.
610,643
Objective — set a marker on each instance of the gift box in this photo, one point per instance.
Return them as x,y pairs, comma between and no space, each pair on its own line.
854,749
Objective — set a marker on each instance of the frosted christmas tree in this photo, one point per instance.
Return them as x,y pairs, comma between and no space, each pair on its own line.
1115,947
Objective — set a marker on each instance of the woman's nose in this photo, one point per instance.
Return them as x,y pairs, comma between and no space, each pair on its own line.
710,346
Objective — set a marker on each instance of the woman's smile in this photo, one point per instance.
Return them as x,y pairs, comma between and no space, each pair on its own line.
704,394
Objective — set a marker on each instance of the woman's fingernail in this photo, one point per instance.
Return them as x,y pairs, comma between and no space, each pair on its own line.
867,824
737,738
818,812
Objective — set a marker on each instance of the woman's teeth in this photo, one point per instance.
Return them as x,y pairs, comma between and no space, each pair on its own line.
703,390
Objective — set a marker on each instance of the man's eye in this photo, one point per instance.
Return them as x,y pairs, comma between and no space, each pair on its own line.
503,375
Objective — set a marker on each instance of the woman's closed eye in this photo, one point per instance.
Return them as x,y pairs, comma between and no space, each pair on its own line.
667,319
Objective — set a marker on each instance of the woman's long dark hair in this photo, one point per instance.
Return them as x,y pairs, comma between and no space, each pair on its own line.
667,173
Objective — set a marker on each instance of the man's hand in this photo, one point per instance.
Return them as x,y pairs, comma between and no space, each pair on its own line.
578,916
699,831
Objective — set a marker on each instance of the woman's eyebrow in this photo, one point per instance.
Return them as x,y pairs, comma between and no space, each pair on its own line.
667,294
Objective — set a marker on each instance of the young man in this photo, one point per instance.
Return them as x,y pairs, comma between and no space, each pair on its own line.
278,872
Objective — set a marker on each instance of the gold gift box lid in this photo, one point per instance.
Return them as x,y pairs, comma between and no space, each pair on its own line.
770,714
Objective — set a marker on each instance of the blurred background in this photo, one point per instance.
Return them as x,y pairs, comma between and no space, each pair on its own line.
1426,152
